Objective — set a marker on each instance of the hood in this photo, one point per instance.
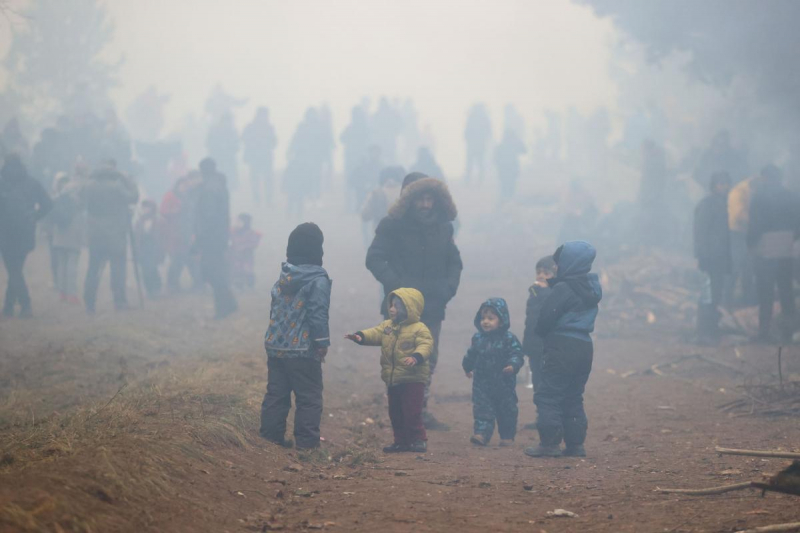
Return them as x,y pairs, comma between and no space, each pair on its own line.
500,307
295,277
414,302
574,259
438,188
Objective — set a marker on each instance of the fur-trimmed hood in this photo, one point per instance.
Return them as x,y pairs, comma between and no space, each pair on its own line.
444,201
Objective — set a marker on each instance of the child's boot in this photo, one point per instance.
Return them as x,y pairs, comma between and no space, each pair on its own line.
549,443
396,448
419,446
479,440
575,436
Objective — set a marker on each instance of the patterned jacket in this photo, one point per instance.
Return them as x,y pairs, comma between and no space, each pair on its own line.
492,351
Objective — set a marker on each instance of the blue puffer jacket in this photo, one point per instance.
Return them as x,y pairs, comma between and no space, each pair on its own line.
571,309
491,352
298,318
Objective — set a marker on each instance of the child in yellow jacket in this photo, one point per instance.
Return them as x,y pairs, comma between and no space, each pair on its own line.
406,345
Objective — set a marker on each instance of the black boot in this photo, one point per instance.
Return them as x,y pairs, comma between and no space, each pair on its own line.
574,436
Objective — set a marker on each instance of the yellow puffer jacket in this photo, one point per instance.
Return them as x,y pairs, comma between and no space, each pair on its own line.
739,205
398,341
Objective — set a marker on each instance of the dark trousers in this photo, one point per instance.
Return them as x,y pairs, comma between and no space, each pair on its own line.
708,309
436,331
151,278
566,366
405,412
495,400
303,376
17,289
214,266
769,274
98,257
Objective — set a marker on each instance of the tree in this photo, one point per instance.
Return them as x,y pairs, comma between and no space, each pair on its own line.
54,66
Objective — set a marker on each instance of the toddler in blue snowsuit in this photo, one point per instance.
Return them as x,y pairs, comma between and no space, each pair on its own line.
492,362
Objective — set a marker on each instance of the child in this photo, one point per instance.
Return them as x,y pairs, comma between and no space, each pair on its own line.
148,242
565,321
532,345
406,344
297,341
493,361
244,241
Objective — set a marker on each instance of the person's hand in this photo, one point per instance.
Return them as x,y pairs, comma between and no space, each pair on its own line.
468,374
539,283
508,370
322,351
355,338
409,361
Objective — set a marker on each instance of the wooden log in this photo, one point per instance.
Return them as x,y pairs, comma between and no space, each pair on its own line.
757,453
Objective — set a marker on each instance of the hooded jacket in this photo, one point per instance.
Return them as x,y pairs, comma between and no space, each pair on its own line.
298,317
571,309
492,351
406,339
407,252
23,202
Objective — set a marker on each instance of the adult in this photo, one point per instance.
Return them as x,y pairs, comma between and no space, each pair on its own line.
712,249
108,197
774,222
259,141
212,226
506,159
23,202
414,248
478,136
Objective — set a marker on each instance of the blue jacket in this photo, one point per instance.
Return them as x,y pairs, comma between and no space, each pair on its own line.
571,309
491,352
298,317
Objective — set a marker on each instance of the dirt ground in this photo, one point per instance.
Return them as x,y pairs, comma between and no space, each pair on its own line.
147,421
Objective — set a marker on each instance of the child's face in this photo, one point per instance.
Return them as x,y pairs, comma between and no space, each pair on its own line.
394,311
543,275
489,320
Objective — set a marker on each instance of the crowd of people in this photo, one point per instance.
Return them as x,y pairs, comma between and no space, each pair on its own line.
745,243
100,210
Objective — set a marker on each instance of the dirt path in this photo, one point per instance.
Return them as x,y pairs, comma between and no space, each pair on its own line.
148,421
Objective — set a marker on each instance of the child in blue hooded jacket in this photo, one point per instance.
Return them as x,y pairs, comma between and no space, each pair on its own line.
565,323
297,341
492,362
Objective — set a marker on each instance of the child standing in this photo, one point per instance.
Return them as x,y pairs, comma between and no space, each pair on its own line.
492,362
532,344
565,322
297,341
406,345
244,241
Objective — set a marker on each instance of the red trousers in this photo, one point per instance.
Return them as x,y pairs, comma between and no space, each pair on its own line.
405,412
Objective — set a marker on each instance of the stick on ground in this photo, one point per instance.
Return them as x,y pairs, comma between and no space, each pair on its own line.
757,453
708,492
774,528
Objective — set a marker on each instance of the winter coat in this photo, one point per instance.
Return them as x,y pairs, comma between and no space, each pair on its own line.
571,309
492,351
23,202
409,338
177,214
69,228
298,317
532,344
107,197
712,240
774,221
739,205
409,253
212,215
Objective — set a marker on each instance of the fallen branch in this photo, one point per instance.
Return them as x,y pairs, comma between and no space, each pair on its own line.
710,491
757,453
774,528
